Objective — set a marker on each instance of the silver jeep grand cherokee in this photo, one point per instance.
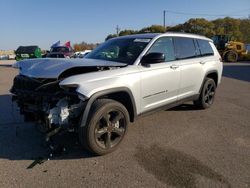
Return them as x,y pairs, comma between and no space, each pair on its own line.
121,79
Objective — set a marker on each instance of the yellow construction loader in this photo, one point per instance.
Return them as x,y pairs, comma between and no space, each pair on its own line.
230,50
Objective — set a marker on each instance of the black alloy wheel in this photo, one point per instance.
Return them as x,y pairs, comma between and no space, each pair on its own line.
207,94
106,126
110,129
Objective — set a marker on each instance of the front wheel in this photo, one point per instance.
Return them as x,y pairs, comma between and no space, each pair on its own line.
105,128
207,94
231,56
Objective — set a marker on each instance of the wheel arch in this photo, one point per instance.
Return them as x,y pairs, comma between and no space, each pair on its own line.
120,94
213,74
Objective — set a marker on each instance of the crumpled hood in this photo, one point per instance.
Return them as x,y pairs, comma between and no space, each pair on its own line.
52,67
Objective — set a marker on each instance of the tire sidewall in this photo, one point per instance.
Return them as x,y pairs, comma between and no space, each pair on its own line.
91,125
207,82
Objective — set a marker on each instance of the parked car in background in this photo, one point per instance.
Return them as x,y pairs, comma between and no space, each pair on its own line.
81,54
84,53
12,57
61,52
27,52
4,57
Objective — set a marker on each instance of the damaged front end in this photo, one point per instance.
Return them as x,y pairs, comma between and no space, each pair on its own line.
45,102
51,92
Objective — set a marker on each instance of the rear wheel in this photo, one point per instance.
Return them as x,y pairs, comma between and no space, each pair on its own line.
207,94
106,127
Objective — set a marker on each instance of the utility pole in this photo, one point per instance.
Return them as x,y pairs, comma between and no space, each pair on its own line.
117,30
164,19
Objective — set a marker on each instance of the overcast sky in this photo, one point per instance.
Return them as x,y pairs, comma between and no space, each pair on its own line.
27,22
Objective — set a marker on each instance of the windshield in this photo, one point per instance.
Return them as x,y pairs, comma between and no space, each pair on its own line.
124,50
60,49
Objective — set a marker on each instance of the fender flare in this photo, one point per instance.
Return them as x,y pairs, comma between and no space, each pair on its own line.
207,73
102,93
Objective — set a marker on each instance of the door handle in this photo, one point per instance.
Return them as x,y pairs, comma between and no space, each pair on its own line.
174,66
202,62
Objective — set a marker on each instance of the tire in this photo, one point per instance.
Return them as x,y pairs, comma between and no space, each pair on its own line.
106,127
231,56
207,94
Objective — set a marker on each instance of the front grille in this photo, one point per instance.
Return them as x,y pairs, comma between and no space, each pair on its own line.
26,92
25,83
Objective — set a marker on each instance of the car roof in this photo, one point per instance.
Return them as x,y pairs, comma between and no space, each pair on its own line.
176,34
141,36
188,35
26,49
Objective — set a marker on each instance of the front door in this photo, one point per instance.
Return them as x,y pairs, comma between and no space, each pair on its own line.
160,82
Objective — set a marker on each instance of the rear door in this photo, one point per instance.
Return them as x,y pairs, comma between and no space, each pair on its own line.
160,82
190,63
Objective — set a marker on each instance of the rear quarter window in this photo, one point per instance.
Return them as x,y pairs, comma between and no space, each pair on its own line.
205,47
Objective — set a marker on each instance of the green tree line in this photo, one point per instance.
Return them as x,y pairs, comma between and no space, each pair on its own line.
238,29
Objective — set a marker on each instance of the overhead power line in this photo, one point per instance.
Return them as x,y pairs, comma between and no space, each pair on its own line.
243,10
200,14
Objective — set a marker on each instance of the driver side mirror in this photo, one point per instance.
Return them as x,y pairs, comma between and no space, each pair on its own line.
153,58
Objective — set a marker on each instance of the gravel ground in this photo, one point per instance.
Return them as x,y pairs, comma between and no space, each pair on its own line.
180,147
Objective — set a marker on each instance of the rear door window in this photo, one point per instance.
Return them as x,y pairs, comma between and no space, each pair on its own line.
164,45
205,47
185,48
